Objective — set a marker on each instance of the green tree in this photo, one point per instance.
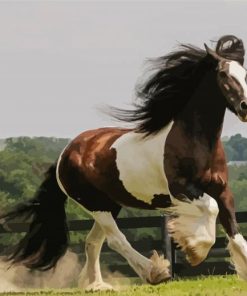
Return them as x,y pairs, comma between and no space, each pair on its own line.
236,148
240,196
231,153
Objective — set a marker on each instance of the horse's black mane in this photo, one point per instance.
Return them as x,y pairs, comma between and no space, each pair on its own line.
165,94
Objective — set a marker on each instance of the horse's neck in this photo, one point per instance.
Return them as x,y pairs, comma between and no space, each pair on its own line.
204,114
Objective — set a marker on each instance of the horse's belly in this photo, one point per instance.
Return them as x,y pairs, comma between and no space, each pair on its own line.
140,165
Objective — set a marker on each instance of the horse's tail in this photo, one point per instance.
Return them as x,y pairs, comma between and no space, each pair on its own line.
47,238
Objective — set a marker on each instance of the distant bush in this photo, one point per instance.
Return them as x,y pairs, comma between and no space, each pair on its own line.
236,148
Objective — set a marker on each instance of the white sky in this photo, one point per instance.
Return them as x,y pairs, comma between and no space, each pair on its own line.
61,59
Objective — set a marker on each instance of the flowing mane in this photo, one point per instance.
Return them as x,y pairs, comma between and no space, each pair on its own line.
167,91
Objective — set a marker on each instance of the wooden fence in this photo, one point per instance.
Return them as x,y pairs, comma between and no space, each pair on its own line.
216,263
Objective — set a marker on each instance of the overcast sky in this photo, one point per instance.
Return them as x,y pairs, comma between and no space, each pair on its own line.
59,60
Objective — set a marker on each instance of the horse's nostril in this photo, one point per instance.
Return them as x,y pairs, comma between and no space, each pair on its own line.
243,105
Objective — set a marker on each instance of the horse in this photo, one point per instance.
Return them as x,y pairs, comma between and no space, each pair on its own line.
172,160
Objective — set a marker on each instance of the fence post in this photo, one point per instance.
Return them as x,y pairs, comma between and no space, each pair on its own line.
167,244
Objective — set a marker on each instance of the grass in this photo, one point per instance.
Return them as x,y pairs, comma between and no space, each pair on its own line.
203,286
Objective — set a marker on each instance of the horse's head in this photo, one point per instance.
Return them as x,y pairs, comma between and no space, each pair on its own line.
231,78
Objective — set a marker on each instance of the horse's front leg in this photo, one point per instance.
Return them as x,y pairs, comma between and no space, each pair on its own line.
237,245
193,226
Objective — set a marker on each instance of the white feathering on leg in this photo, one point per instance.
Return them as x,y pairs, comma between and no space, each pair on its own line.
193,227
238,250
160,269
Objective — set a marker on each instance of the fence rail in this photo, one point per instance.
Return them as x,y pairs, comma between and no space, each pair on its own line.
82,225
216,263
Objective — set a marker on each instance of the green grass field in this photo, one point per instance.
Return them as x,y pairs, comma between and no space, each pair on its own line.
204,286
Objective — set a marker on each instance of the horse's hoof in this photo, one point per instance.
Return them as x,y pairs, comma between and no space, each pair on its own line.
99,286
195,254
160,269
192,257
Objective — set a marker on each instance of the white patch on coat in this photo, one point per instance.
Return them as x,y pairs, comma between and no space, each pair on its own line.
238,250
194,226
140,162
239,73
153,270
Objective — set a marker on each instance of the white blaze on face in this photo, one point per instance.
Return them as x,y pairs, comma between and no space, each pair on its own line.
239,73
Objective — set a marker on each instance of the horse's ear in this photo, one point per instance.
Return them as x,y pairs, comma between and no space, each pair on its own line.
212,53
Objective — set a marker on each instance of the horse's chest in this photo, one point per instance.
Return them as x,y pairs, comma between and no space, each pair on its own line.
140,163
186,162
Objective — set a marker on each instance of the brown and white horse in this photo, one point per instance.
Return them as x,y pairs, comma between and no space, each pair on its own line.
172,161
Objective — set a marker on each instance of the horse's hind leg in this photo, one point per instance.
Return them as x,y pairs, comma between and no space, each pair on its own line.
90,277
154,270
